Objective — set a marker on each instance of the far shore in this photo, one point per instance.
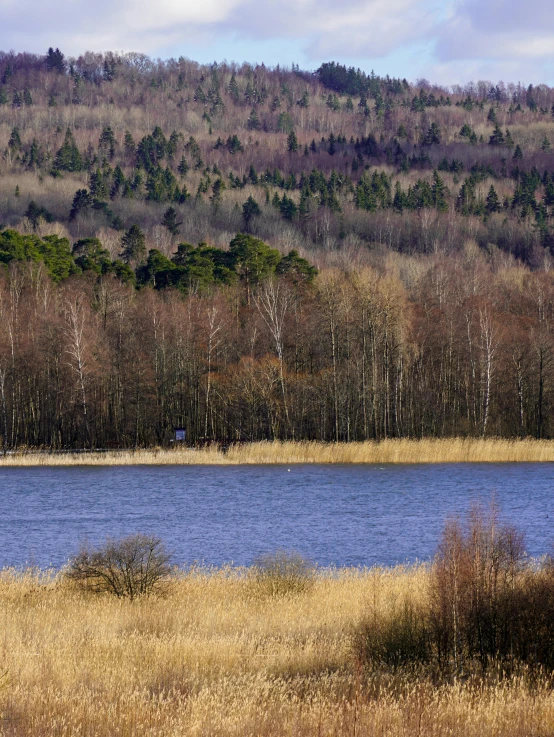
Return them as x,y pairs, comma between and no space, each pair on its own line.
452,450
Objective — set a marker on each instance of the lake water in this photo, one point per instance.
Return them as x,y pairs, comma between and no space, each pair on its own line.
335,515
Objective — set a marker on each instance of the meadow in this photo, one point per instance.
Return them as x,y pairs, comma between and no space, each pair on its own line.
217,655
430,450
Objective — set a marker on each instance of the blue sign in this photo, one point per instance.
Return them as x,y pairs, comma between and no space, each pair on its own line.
180,433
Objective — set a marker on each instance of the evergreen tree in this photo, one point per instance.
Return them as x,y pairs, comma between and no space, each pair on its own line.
433,135
491,117
55,61
133,245
492,203
106,142
292,142
81,201
15,140
129,144
170,221
518,153
545,145
250,209
234,90
253,122
183,167
439,193
68,157
497,138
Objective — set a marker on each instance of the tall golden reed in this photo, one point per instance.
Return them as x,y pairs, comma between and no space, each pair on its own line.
211,659
453,450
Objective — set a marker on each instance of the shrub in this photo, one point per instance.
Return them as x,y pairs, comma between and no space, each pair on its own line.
282,574
398,641
486,606
130,567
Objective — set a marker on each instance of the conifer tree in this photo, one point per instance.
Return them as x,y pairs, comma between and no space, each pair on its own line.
68,157
292,142
497,138
170,221
492,202
133,245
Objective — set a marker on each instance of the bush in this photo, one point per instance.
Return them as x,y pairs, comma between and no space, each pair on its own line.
282,574
487,606
128,568
399,641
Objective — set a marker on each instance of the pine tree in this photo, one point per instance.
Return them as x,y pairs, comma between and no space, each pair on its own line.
518,153
545,145
491,117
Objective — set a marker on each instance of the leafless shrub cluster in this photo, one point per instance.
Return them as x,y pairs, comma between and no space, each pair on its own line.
133,566
281,574
487,606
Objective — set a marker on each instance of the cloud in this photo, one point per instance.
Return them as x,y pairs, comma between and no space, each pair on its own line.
498,29
433,38
367,28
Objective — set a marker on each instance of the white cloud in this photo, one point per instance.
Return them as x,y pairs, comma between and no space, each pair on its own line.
369,28
514,38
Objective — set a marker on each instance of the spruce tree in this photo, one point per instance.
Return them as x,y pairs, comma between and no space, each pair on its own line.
55,61
68,157
253,123
292,142
249,209
170,221
492,203
497,138
133,245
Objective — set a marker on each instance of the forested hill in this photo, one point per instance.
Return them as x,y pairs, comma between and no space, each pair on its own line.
324,160
259,253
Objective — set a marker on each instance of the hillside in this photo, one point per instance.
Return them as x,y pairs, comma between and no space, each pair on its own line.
334,159
257,253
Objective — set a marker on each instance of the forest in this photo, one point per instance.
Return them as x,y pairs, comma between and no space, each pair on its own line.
257,253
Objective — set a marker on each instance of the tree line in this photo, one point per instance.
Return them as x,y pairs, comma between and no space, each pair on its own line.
458,346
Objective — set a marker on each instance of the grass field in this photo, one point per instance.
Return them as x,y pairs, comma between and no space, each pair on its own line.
216,656
455,450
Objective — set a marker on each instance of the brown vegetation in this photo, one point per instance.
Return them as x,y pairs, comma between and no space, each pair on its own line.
212,659
454,450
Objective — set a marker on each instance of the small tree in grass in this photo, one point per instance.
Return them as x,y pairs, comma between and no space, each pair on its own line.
133,566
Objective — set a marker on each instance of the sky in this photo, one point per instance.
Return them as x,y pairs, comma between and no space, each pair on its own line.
448,42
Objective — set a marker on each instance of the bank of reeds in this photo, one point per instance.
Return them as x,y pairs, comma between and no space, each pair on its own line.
451,450
211,659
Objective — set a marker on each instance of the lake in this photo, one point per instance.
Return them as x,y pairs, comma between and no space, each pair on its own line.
339,515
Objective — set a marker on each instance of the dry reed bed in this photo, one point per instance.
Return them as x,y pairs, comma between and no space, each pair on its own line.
214,658
456,450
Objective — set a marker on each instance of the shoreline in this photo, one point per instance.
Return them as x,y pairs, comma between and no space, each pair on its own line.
451,450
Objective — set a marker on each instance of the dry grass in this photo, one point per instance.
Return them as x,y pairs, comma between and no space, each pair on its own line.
211,660
456,450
